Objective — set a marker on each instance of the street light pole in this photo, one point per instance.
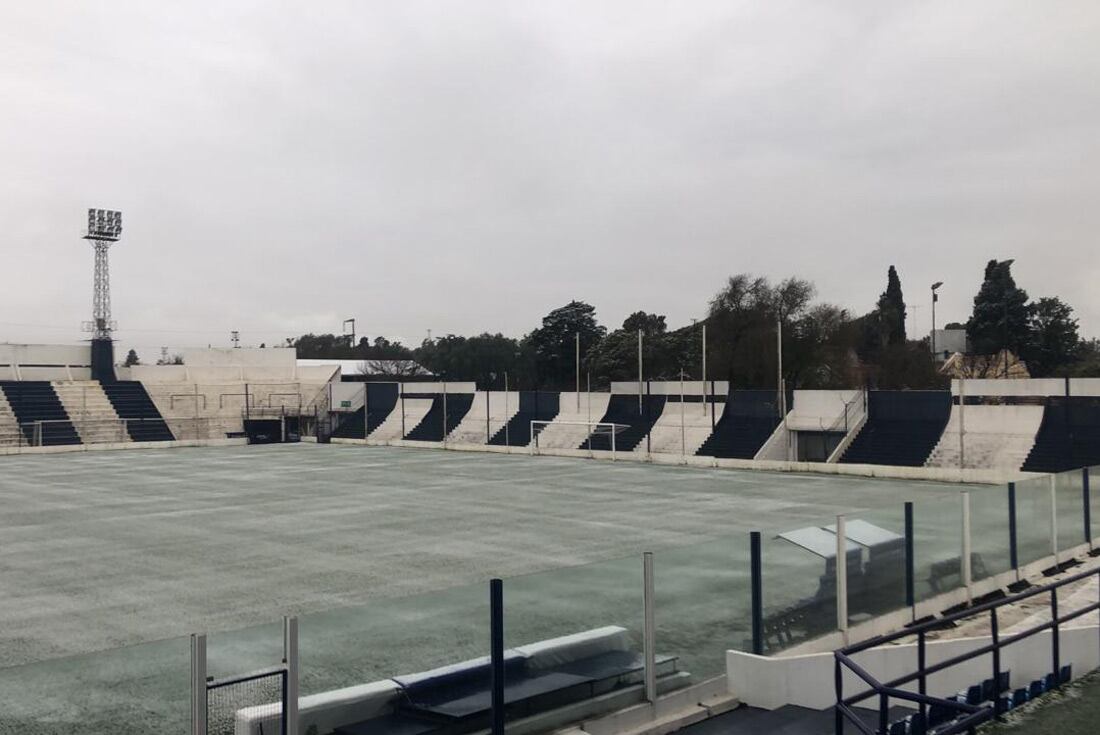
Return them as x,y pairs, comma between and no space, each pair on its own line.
935,298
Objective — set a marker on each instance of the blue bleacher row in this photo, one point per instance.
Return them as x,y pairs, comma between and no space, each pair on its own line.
997,695
32,401
902,427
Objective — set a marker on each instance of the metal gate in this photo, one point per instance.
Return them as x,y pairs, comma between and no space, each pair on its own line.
263,702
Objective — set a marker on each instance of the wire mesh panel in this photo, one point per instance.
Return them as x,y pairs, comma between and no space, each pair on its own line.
255,698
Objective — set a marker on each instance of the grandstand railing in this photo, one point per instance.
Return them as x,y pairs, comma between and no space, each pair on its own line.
91,431
970,715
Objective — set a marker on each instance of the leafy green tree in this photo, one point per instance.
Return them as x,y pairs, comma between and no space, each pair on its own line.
553,345
1053,342
1001,316
483,358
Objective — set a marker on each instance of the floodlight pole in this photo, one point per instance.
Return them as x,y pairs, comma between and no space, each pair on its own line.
104,230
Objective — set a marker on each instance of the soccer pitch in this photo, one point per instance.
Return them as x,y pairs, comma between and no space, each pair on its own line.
383,552
104,549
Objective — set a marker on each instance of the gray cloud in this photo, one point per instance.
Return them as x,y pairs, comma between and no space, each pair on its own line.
463,167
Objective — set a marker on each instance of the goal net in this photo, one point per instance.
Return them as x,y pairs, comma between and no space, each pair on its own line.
582,435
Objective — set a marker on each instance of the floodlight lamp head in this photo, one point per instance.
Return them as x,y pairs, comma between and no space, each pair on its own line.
936,285
104,225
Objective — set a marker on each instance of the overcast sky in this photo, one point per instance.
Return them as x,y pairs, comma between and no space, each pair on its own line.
468,166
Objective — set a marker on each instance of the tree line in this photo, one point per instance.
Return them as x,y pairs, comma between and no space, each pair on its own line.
824,346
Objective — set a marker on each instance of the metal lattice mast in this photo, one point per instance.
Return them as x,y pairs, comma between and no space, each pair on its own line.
104,230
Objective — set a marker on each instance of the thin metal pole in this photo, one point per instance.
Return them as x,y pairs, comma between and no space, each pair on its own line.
704,368
402,385
578,372
781,398
842,577
198,684
496,654
1055,637
995,636
488,414
649,643
1085,496
507,414
910,567
962,423
1054,518
639,372
966,571
757,581
683,428
444,438
922,679
1013,555
290,658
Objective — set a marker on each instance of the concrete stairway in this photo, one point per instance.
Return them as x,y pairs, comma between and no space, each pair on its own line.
90,411
994,437
9,427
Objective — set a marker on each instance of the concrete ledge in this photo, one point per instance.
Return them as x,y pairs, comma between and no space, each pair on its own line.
110,446
931,474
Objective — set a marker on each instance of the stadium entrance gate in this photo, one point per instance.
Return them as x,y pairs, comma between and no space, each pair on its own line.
263,702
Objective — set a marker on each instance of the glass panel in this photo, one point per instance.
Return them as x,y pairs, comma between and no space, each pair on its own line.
393,637
704,602
799,588
1069,498
990,542
126,691
572,634
879,584
937,547
1032,520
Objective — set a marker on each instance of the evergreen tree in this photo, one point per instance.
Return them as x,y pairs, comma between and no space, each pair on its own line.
554,343
1001,314
891,311
131,359
1053,342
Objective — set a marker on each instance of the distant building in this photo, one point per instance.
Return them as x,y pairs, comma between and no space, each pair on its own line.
1004,364
949,341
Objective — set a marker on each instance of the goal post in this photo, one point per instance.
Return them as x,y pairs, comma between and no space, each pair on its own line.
581,431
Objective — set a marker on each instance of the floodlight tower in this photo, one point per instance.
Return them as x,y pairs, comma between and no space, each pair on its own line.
104,230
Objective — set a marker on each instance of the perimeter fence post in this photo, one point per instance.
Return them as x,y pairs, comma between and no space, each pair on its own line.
966,570
496,654
1013,556
198,684
290,681
756,572
1054,518
649,644
842,577
910,567
1086,498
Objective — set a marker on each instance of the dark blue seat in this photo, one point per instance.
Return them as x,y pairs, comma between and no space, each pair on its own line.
918,724
1035,689
975,694
1020,696
1050,682
1065,674
897,728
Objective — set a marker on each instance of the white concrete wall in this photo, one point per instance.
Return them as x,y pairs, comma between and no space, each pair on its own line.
59,362
9,427
681,429
807,681
472,428
92,414
277,357
671,387
992,437
823,410
351,393
1084,386
1012,387
437,387
778,447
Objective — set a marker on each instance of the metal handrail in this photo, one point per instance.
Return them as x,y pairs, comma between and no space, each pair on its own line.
978,714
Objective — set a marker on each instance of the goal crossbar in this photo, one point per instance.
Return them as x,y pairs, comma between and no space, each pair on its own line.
594,427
